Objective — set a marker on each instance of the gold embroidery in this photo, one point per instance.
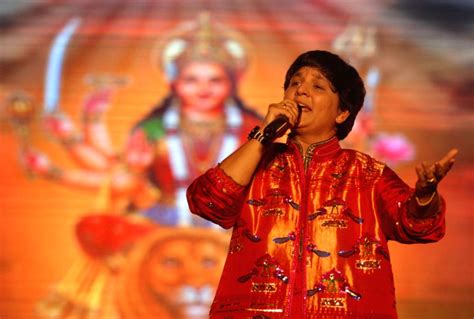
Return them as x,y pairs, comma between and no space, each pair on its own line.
273,212
368,248
339,223
274,203
368,264
265,309
334,217
333,302
264,287
235,247
333,290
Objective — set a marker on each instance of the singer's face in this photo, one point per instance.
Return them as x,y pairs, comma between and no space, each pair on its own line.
320,113
203,86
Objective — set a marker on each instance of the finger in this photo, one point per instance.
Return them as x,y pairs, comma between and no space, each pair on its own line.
275,110
445,169
293,108
443,166
429,172
421,173
289,109
450,165
439,171
449,157
285,105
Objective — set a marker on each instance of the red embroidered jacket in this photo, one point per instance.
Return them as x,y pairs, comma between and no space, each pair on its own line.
311,243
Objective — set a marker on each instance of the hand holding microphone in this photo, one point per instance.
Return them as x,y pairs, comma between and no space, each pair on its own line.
288,114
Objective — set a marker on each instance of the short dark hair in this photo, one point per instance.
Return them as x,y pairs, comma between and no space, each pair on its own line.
344,78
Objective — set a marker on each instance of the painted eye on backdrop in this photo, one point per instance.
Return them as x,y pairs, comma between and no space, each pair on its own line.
189,80
208,262
217,80
171,262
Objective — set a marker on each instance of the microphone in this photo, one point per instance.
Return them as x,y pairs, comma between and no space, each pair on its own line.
276,127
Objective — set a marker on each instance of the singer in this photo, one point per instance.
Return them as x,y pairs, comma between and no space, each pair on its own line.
311,221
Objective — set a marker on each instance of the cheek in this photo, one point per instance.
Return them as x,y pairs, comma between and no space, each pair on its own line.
221,90
289,93
186,90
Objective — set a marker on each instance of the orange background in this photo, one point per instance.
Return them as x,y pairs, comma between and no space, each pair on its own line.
425,92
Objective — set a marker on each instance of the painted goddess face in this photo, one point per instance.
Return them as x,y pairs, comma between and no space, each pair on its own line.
203,86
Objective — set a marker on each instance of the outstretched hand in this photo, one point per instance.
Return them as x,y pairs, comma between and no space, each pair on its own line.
429,175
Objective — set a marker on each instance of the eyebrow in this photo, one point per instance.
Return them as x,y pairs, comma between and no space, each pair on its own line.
318,76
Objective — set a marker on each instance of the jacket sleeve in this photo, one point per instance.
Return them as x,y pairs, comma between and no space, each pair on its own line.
216,197
393,197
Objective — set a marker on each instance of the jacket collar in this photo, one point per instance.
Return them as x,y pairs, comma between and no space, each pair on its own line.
322,151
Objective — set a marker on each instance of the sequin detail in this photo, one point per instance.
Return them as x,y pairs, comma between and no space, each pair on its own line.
275,203
320,253
292,203
367,247
266,268
320,212
282,240
252,237
255,202
334,213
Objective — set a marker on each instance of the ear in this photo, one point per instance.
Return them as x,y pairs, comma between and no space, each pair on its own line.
342,116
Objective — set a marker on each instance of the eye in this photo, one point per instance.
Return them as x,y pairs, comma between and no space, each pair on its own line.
189,79
171,262
208,262
295,83
217,80
318,87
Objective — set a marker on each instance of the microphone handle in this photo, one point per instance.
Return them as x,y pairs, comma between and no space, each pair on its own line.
276,128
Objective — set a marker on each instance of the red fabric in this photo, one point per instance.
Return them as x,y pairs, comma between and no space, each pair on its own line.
311,243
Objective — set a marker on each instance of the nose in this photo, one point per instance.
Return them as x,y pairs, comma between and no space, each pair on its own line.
198,276
302,89
202,87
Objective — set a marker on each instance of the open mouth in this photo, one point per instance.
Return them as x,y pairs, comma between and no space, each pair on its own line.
303,107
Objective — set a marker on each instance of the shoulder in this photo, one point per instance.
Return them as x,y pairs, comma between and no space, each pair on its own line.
365,164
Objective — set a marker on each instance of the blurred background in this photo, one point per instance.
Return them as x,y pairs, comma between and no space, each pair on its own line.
108,109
